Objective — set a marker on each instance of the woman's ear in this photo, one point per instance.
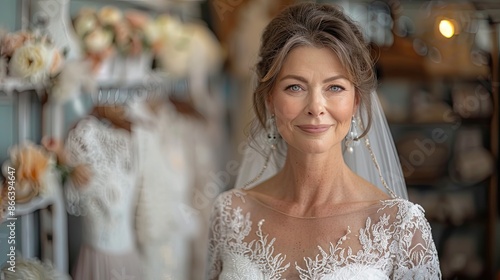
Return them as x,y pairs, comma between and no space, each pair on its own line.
269,104
357,102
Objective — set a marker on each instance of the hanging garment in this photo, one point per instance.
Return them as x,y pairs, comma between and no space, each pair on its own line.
107,203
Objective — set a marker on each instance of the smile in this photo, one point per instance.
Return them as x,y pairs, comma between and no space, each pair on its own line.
313,129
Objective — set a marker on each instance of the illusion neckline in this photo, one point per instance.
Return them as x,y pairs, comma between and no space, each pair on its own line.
372,204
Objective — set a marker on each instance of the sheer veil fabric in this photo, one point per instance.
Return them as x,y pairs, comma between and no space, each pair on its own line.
374,156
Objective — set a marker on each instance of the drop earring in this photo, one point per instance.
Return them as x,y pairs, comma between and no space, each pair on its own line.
272,132
351,136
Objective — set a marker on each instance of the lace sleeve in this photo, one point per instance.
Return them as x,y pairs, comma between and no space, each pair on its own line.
215,240
79,152
417,255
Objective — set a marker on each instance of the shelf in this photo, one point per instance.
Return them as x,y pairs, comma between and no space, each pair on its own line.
34,204
11,85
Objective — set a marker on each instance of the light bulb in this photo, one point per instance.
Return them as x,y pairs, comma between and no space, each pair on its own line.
447,28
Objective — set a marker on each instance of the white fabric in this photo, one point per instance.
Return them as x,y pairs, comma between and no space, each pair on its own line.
108,202
166,180
382,144
388,239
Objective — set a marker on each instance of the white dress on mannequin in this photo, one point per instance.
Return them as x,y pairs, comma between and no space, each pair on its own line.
387,239
164,232
107,204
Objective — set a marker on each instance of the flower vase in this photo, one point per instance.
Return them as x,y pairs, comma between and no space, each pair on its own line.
52,17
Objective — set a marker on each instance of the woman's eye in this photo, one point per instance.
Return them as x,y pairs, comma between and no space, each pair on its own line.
294,88
336,88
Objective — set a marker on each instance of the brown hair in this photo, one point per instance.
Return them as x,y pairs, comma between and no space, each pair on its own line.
318,25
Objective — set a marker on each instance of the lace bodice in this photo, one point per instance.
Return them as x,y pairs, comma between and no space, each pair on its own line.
388,239
107,202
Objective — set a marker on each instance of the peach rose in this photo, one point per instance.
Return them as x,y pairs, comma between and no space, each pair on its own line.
31,162
13,41
137,19
57,62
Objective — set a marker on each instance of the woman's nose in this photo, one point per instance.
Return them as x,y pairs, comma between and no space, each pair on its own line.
316,104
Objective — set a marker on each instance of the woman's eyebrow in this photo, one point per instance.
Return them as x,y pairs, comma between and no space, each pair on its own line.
302,79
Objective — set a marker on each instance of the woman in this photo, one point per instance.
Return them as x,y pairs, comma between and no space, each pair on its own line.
332,209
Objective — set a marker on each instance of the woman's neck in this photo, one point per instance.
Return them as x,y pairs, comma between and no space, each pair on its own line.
315,179
316,185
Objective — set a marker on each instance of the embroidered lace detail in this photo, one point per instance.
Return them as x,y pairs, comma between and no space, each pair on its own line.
392,240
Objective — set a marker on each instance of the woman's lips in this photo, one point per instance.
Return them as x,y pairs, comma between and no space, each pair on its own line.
314,128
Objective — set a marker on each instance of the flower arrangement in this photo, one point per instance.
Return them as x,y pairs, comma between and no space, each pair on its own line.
109,31
28,56
32,164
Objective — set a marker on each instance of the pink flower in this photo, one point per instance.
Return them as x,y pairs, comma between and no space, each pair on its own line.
122,34
57,62
135,45
13,41
137,19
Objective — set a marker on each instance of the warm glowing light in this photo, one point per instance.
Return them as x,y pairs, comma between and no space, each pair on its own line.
447,28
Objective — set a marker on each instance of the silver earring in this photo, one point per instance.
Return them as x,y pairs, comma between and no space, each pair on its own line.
272,132
351,136
272,141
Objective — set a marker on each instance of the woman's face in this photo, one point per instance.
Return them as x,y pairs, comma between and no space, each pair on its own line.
313,101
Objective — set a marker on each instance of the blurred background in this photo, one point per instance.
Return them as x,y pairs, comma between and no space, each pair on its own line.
184,72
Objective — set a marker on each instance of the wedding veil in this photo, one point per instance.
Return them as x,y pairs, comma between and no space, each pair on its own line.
374,156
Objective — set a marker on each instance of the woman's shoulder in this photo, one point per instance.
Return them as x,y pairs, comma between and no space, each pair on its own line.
231,197
404,211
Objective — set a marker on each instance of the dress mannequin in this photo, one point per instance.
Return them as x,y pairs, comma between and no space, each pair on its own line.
104,192
165,182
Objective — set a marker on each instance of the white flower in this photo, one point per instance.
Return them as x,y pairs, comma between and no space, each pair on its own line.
98,40
109,15
152,32
84,24
171,28
31,61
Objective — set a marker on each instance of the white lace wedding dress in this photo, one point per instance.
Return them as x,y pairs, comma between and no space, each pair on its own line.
388,239
107,203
